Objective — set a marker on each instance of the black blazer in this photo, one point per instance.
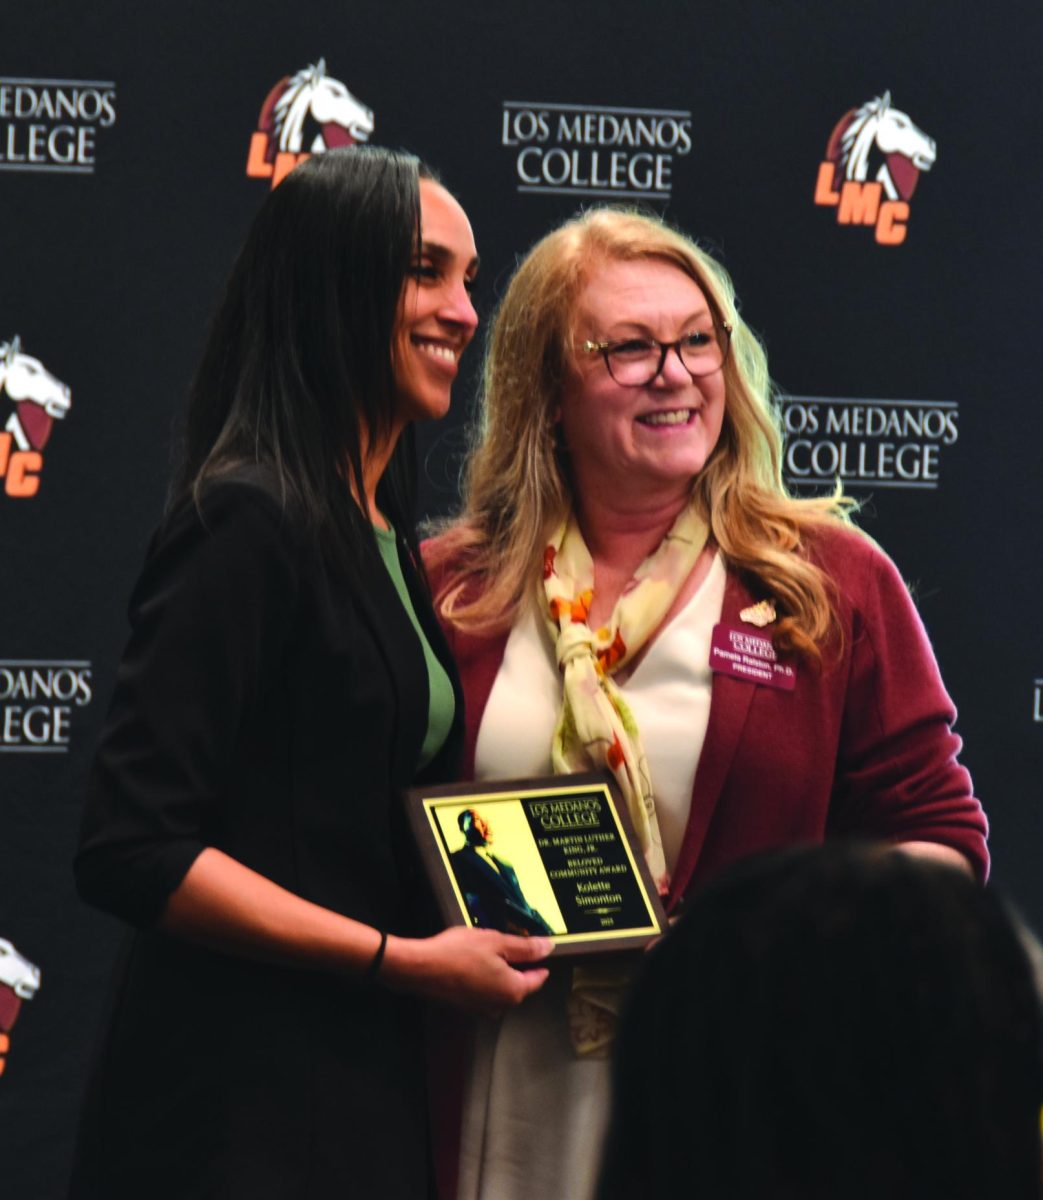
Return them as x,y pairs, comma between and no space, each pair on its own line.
267,709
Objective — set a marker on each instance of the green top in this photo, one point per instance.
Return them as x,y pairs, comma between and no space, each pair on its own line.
441,706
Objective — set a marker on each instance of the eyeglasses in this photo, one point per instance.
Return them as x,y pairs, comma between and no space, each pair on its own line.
635,362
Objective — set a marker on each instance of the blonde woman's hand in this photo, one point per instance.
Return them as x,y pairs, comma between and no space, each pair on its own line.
476,969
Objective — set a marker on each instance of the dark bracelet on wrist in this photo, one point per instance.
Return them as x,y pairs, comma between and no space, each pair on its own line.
370,972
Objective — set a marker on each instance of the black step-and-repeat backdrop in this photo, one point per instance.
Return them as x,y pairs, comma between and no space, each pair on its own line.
870,175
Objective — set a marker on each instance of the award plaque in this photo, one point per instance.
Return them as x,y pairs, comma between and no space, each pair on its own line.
555,856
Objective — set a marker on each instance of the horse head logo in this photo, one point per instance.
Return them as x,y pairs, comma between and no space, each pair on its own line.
19,980
18,973
879,142
39,398
310,112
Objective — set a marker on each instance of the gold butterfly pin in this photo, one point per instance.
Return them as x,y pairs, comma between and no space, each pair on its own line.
760,614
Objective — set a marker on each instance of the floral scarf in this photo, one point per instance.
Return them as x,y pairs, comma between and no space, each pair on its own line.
596,728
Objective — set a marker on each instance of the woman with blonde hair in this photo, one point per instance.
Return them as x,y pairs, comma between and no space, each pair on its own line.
630,586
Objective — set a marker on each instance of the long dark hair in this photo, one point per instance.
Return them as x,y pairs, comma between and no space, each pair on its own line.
297,367
832,1021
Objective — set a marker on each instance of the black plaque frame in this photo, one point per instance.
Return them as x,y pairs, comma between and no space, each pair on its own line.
582,839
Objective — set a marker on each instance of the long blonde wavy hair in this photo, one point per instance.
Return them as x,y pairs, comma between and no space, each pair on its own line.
517,488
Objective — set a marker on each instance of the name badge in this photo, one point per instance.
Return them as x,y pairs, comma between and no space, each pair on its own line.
749,656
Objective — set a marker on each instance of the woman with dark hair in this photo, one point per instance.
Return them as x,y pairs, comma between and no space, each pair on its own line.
832,1021
284,678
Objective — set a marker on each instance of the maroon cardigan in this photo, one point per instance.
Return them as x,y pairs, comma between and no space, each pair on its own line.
861,747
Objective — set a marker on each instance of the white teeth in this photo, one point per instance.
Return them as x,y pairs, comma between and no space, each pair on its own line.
680,417
439,351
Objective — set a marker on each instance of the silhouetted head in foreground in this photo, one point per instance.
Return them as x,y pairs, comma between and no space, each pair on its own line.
836,1022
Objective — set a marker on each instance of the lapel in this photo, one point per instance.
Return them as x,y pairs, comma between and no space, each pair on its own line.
507,877
480,659
730,701
446,763
489,872
381,609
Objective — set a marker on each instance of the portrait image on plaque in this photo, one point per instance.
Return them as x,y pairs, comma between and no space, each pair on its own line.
553,857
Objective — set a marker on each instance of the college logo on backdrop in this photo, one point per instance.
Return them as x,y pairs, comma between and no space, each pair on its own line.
867,443
37,699
585,150
52,124
873,162
31,400
305,114
19,981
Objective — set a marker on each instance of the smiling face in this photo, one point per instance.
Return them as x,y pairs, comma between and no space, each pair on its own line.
476,829
436,318
641,444
483,829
